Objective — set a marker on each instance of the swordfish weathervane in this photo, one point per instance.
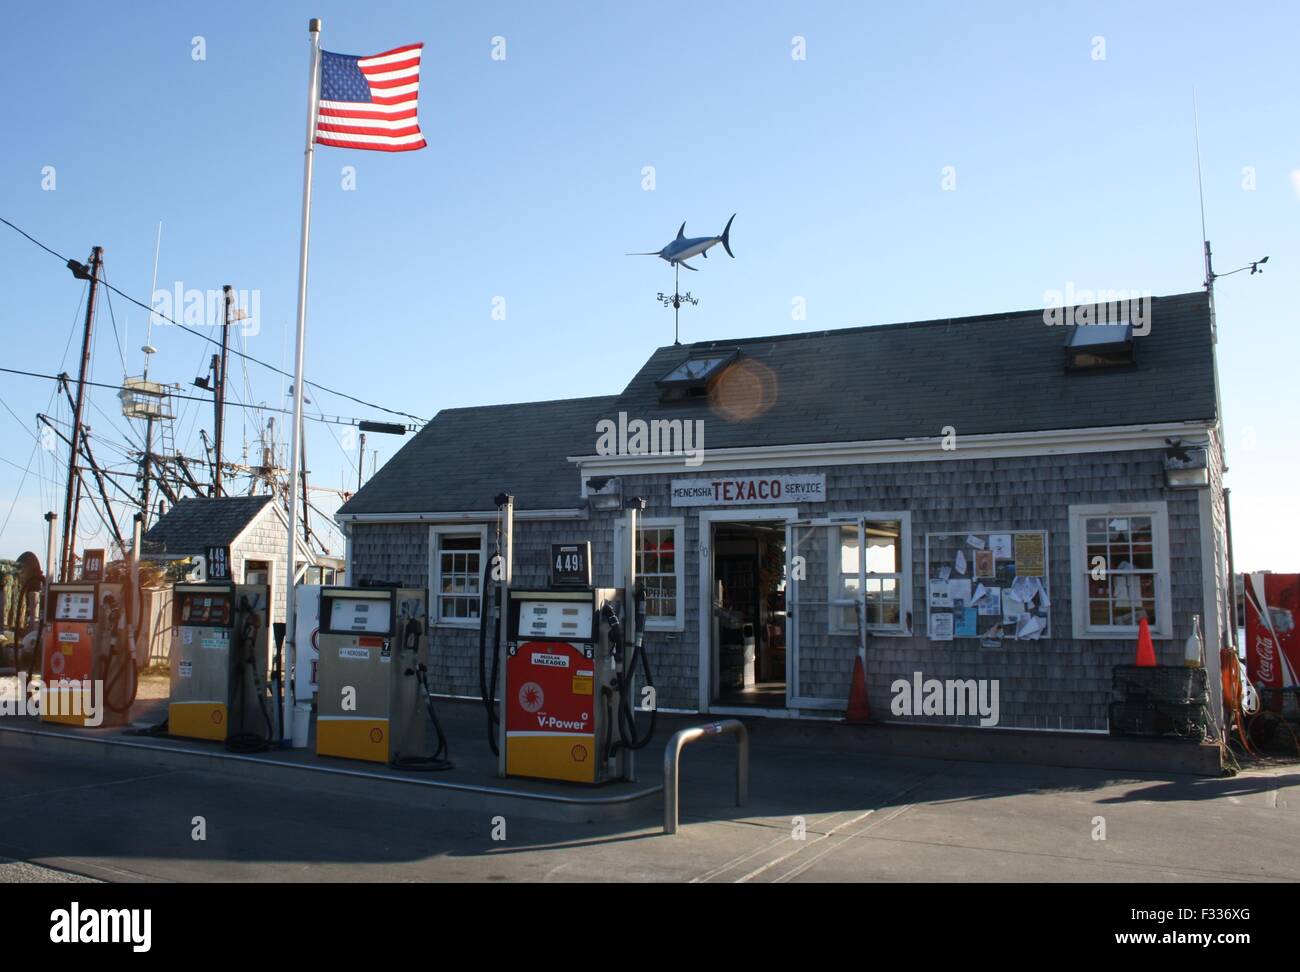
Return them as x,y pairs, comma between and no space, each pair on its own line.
675,254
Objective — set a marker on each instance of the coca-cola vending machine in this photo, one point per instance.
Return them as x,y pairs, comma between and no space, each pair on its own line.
1272,642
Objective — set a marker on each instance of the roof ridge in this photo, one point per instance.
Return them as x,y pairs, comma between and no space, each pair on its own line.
548,401
893,325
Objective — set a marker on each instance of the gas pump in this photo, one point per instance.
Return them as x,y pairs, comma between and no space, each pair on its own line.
85,643
219,653
561,693
372,671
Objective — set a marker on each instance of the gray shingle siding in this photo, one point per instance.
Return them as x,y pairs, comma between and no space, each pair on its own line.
994,374
1058,682
267,540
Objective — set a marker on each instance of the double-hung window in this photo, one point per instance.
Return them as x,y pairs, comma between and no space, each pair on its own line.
456,574
1119,569
660,569
877,582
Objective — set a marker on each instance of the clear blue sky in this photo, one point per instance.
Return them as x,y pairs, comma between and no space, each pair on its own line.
1068,168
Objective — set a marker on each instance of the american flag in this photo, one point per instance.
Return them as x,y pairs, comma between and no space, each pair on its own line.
370,102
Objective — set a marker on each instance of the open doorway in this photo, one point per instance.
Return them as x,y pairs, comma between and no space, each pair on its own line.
749,613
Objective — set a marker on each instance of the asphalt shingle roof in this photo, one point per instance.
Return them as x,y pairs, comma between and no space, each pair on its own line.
995,373
198,522
466,456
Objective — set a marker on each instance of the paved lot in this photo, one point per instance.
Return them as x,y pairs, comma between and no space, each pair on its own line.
867,818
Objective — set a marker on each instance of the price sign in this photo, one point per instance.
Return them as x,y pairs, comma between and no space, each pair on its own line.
571,564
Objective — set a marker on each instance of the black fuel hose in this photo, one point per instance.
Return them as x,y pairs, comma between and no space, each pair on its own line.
626,716
128,665
441,758
487,691
246,645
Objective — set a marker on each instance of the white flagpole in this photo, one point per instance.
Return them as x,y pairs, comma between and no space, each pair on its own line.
313,98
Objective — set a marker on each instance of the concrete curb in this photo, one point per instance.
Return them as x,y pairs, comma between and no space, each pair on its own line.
1037,747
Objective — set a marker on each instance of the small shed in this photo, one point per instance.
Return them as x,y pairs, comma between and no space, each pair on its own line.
254,528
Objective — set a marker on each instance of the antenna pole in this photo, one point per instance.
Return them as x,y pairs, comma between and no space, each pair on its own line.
146,461
69,510
219,431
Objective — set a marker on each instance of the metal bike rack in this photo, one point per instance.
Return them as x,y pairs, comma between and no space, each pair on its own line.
673,755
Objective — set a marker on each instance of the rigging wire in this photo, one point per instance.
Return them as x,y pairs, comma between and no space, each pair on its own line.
205,337
21,483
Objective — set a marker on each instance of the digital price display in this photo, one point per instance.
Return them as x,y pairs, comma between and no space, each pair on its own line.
568,621
205,609
357,614
74,606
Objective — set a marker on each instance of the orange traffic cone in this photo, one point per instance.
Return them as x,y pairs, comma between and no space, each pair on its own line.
859,710
1146,652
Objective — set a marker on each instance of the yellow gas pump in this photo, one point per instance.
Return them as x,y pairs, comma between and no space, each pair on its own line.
84,646
372,670
219,654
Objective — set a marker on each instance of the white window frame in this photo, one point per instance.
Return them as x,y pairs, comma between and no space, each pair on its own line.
834,571
1158,510
435,569
678,525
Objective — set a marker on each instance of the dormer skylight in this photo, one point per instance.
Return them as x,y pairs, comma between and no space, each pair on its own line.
1089,346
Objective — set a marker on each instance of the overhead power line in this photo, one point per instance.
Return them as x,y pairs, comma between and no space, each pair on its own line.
200,334
329,420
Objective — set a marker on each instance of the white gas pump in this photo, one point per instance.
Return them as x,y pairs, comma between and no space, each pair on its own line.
373,668
219,654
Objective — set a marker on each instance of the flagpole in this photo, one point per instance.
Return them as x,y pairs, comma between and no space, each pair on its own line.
313,98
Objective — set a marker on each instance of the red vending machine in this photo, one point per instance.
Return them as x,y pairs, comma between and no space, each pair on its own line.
1272,642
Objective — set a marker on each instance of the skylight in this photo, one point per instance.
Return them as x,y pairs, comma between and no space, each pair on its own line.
1099,345
692,378
695,370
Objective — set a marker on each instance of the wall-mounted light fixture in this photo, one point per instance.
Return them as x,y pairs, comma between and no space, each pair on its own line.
1186,466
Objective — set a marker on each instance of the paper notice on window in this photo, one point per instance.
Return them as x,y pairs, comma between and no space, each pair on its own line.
945,572
940,594
966,622
992,638
974,541
941,627
959,562
1012,608
960,592
1029,554
1000,544
1029,627
1023,589
984,564
1043,599
991,603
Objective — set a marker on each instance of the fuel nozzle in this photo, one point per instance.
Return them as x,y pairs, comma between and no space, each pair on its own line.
639,600
615,625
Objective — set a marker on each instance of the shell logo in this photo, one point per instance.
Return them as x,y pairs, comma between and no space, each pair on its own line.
531,697
579,753
217,717
376,735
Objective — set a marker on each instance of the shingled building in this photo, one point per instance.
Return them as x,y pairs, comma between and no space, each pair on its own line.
990,498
